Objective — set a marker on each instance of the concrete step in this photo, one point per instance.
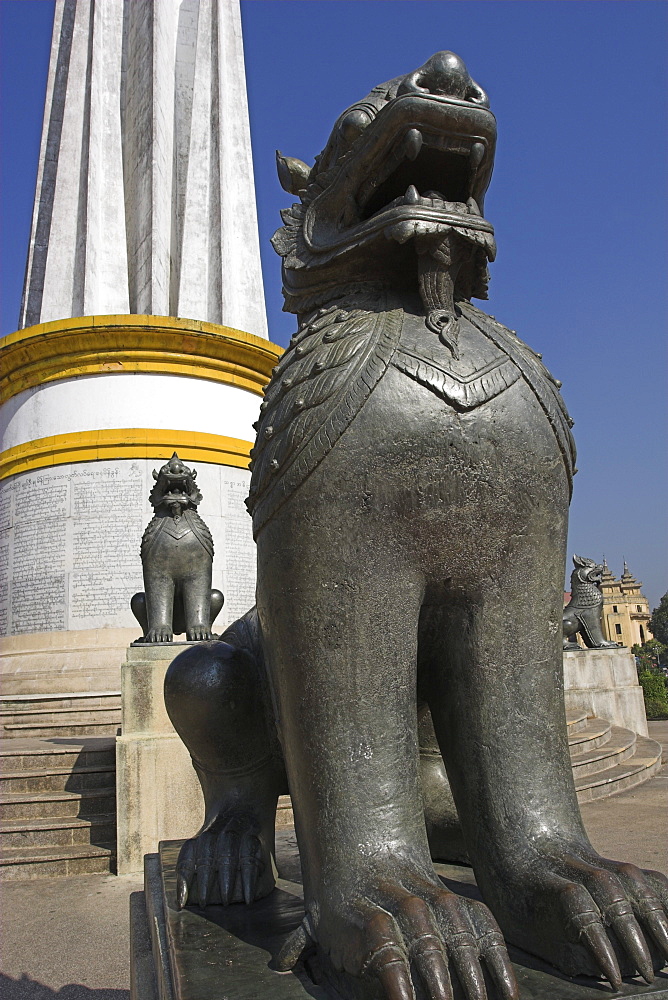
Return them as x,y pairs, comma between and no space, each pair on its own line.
91,802
70,714
594,733
48,862
284,813
620,746
576,719
643,764
29,754
85,727
59,779
68,700
57,832
58,802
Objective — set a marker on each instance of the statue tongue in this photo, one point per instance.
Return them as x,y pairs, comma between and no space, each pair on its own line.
439,262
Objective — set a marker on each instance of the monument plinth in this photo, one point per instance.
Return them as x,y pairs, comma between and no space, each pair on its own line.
157,794
227,951
143,286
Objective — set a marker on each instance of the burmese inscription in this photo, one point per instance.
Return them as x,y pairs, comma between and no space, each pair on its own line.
70,537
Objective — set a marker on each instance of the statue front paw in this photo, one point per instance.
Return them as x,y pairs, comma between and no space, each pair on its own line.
589,915
198,633
160,634
406,934
233,865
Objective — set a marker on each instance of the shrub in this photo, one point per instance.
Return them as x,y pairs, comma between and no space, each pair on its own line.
655,694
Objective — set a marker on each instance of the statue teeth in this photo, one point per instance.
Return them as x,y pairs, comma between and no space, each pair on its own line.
412,196
413,143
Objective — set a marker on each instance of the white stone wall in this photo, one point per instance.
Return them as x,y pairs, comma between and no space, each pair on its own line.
145,200
70,536
605,683
101,402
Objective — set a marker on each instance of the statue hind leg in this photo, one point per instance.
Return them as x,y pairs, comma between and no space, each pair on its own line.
215,699
444,830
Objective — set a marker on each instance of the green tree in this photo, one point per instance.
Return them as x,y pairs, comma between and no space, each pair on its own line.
649,655
659,622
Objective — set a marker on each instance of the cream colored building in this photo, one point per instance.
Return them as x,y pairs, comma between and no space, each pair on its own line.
626,611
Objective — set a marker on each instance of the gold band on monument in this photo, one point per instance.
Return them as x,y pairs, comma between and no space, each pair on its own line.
124,443
98,345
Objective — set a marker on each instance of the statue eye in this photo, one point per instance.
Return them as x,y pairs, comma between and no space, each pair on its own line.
353,124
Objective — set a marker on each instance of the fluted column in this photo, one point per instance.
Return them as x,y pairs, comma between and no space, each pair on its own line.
142,326
145,201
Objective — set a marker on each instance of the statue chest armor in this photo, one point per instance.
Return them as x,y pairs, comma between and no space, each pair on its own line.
339,356
480,372
189,533
176,529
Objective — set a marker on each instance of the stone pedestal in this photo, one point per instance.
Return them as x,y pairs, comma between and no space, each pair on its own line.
158,796
605,683
195,954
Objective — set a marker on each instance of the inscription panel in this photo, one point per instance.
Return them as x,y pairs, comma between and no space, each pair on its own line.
70,539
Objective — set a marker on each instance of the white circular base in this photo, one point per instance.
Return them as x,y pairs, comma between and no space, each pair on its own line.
71,541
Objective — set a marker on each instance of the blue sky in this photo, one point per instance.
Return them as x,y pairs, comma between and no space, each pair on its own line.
578,198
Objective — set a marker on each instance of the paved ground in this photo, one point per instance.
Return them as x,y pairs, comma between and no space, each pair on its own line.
67,938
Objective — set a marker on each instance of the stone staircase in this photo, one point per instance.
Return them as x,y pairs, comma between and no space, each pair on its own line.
58,806
58,796
607,759
85,713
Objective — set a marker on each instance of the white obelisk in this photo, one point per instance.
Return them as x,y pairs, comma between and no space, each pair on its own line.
142,328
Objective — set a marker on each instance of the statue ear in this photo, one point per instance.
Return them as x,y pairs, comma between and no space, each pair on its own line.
155,475
579,561
477,95
292,173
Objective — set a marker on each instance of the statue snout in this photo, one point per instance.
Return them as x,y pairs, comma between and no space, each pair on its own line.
444,75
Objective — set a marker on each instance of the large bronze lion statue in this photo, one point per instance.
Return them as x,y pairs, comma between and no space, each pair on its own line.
410,488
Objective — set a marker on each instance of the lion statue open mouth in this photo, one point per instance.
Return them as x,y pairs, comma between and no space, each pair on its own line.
402,674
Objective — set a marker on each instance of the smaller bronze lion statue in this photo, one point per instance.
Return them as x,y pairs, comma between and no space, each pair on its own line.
177,560
583,612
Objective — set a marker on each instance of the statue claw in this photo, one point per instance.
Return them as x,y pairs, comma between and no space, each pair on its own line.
596,941
185,873
250,865
206,868
657,924
228,858
630,936
198,634
292,947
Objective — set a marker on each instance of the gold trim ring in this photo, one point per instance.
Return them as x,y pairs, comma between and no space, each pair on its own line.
97,345
92,446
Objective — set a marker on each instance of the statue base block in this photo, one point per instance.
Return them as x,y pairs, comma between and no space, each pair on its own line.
157,792
605,683
196,954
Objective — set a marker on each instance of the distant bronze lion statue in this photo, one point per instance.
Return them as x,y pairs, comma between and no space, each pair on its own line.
177,560
583,612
